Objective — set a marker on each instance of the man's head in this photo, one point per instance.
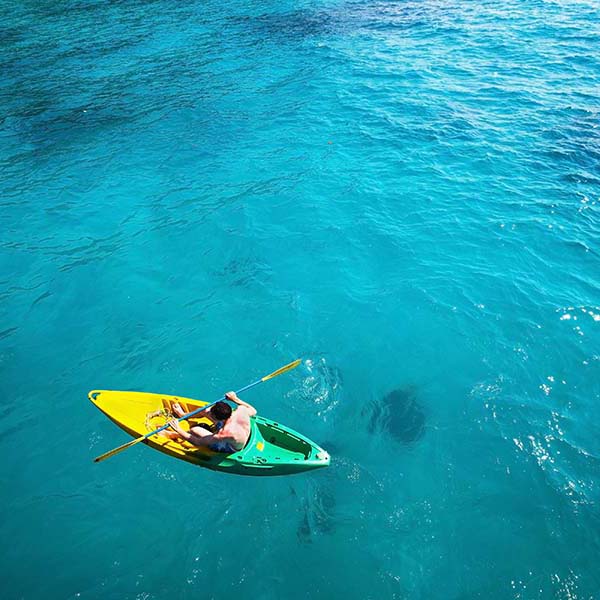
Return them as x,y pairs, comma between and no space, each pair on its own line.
221,411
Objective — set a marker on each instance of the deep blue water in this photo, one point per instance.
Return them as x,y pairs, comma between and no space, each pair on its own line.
405,194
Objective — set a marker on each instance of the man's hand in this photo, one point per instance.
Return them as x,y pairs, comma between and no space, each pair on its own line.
233,397
174,423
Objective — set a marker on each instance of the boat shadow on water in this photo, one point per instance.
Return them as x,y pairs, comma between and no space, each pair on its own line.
398,416
317,508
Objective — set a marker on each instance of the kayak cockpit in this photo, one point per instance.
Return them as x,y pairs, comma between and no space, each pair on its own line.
283,440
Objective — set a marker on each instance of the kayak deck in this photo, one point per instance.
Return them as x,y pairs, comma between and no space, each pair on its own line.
272,449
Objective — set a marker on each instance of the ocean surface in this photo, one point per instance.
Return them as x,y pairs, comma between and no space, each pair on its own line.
405,194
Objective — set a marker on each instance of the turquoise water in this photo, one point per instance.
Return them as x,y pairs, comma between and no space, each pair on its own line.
405,194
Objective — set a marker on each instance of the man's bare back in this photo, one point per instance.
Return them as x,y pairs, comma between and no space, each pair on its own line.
235,426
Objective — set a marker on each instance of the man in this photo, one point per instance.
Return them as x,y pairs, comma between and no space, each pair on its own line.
233,427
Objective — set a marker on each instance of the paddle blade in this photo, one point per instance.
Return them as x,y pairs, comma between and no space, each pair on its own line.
117,450
289,367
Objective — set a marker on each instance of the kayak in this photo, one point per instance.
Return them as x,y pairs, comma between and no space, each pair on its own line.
272,448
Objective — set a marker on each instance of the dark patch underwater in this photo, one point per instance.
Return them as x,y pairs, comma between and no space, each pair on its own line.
398,414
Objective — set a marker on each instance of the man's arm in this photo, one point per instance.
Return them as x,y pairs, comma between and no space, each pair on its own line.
193,438
234,398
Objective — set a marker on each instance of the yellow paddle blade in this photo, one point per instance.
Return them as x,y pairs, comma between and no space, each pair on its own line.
119,449
289,367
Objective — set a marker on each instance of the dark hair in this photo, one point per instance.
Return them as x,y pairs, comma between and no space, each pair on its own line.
221,411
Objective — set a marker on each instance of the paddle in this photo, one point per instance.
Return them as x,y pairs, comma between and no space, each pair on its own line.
114,451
